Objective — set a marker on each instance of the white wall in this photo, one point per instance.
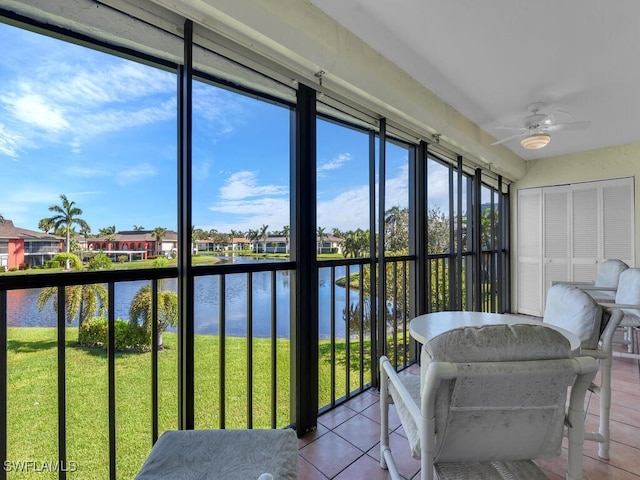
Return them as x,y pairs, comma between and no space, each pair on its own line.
601,164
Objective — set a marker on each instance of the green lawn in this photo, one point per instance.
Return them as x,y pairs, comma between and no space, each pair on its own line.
32,396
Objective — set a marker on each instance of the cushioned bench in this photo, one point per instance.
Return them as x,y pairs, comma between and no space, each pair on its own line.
222,454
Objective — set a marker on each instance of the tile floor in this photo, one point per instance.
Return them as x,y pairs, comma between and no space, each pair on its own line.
345,445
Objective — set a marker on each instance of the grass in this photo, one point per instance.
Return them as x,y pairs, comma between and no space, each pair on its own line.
32,407
196,260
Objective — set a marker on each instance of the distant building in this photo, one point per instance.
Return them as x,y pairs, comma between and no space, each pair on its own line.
280,244
20,246
233,245
136,244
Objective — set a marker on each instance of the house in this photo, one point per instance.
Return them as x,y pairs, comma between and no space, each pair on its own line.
19,246
135,244
233,245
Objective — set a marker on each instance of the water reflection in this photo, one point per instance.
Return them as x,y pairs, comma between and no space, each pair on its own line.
23,310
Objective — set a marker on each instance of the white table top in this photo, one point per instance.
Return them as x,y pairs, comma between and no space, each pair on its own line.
430,325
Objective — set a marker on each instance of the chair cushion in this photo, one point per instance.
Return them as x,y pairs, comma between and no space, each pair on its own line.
497,343
608,276
573,309
228,454
494,343
609,273
491,343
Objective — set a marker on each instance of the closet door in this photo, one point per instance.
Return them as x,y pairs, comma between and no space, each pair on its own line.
564,232
530,251
556,227
585,235
618,216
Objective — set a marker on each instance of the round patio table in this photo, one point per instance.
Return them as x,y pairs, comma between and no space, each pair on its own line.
425,327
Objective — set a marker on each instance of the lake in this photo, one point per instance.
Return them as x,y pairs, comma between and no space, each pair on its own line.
23,310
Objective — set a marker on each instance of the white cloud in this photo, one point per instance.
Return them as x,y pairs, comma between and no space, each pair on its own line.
71,103
251,205
252,214
244,184
347,211
8,142
111,120
135,173
335,163
350,209
35,110
438,188
86,172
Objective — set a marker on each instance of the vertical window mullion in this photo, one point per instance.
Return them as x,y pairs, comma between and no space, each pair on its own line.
185,274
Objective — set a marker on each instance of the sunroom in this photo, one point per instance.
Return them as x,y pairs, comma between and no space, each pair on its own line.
264,119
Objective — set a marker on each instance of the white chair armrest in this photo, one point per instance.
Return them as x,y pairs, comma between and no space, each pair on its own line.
620,306
567,282
395,380
593,287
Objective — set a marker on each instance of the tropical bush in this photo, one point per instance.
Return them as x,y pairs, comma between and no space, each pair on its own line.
140,311
94,333
100,261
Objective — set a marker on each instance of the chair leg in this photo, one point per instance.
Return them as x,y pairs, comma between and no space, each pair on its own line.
384,417
605,407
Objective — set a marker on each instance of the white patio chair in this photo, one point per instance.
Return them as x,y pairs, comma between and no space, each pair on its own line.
627,299
488,401
606,283
573,309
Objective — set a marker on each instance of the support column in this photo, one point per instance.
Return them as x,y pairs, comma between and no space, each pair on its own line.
304,320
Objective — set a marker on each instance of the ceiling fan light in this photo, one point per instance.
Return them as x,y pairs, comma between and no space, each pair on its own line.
535,141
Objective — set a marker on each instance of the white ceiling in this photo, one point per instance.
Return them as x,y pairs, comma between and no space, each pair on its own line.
490,59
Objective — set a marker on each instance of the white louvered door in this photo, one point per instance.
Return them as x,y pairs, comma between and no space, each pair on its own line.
618,220
556,234
565,231
530,251
585,238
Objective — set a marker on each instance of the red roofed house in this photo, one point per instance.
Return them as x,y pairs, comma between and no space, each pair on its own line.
21,246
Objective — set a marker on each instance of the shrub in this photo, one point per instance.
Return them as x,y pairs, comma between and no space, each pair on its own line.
122,258
51,264
100,261
24,266
94,333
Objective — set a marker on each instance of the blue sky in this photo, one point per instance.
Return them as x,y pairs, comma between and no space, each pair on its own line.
102,130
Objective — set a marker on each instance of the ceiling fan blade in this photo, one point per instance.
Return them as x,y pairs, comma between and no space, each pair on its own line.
567,126
509,127
521,134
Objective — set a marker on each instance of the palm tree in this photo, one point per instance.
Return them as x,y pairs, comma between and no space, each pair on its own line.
252,236
138,228
81,301
1,218
158,233
45,224
321,237
285,233
85,232
140,310
66,215
396,229
263,236
109,234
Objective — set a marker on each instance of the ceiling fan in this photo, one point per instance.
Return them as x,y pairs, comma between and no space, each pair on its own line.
537,128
